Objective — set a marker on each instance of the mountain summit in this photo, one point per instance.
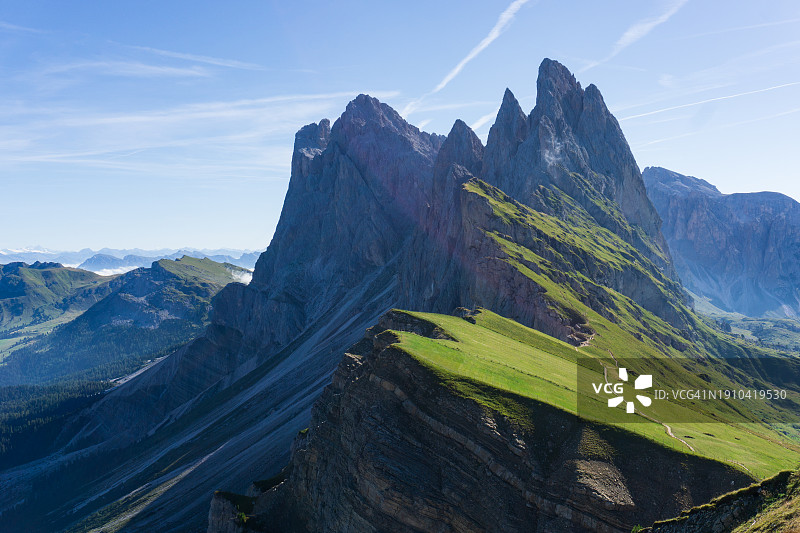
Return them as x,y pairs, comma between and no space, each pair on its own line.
571,144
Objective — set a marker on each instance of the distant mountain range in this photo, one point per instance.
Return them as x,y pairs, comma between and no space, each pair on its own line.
739,252
140,313
109,261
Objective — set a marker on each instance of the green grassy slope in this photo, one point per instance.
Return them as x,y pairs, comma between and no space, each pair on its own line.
36,298
764,507
498,354
780,510
577,265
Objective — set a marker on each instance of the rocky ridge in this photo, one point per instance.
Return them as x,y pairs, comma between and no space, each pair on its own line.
740,251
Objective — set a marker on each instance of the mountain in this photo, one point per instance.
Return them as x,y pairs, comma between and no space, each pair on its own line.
149,313
739,251
545,244
404,440
246,260
271,343
42,293
107,262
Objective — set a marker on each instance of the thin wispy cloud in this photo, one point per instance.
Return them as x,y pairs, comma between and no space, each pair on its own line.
506,17
132,69
6,26
483,120
708,100
743,28
208,60
637,31
246,138
215,110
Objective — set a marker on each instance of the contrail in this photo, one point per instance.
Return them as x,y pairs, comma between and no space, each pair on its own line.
636,32
722,127
483,120
502,23
728,97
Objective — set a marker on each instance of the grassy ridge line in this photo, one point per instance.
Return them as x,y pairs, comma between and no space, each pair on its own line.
623,328
509,357
35,296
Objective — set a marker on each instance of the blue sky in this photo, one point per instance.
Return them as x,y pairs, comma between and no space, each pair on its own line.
169,124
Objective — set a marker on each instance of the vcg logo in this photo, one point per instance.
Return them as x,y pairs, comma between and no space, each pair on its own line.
644,381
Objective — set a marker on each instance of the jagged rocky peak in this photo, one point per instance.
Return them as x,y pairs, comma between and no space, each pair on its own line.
313,137
508,131
370,161
571,144
558,93
309,142
677,184
461,147
365,116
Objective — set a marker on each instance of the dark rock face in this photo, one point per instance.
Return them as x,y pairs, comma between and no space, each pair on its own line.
570,141
742,251
389,449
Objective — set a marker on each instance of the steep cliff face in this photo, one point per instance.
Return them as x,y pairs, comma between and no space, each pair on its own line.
391,449
739,250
